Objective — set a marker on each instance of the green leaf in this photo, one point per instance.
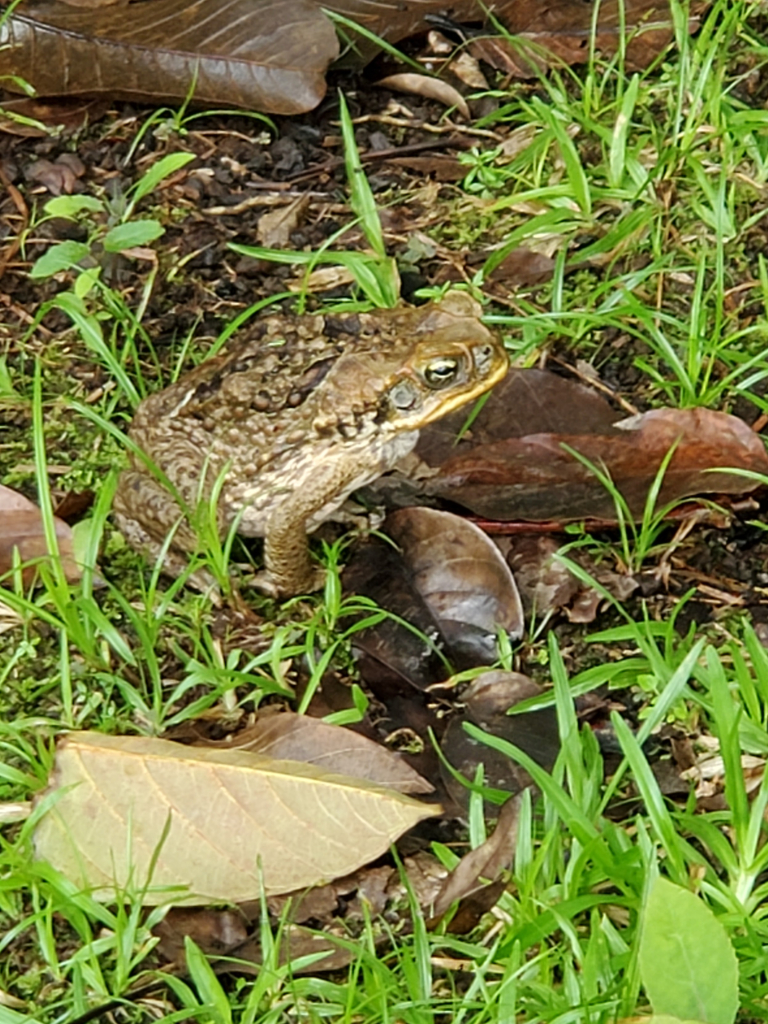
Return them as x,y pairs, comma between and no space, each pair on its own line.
207,984
62,256
133,233
361,196
687,963
162,169
70,206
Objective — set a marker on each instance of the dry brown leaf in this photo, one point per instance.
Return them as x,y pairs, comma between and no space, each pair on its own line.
443,166
275,228
513,465
21,529
522,268
322,279
268,55
487,700
234,822
290,737
271,55
546,585
17,114
466,68
428,87
485,862
536,478
561,27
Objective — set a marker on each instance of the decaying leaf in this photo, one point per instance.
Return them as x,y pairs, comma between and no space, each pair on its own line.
537,478
487,700
523,268
290,737
221,824
393,659
546,585
483,864
272,55
275,227
21,529
268,55
556,30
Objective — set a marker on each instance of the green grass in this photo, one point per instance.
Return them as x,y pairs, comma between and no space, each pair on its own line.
649,189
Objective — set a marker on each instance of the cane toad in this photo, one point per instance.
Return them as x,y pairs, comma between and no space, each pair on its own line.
289,419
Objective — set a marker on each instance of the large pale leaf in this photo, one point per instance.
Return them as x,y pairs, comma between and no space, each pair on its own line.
228,816
268,55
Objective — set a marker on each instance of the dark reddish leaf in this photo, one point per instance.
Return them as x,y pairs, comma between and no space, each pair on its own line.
512,465
560,30
268,55
525,402
536,478
562,27
442,166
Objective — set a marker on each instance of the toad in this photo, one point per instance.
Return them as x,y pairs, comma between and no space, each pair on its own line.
279,428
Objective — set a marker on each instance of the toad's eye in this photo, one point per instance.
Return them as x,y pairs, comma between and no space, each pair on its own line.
441,373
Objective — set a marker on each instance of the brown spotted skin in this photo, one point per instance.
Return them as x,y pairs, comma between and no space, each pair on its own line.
292,417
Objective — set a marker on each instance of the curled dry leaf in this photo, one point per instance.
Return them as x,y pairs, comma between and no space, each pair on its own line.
21,529
290,737
428,87
223,825
268,55
459,572
466,68
393,660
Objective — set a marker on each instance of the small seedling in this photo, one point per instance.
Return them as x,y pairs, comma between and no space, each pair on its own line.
110,224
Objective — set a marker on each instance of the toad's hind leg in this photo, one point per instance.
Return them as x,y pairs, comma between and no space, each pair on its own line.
146,514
